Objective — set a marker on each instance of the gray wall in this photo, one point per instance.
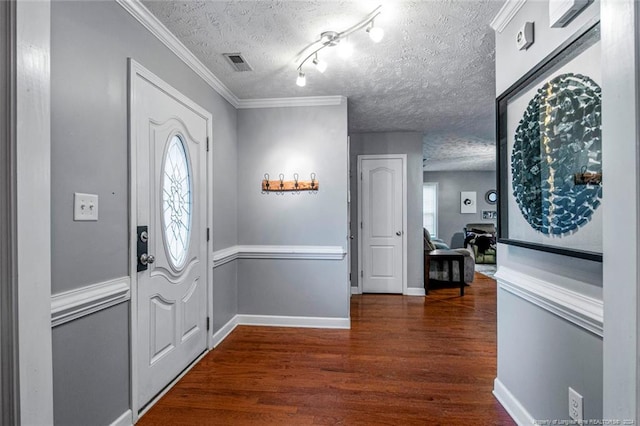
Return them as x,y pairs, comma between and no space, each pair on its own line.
535,374
450,221
409,143
91,42
91,375
301,140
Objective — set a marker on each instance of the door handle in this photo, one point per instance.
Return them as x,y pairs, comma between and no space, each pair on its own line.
147,259
399,233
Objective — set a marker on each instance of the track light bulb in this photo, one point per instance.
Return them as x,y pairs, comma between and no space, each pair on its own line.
321,65
375,33
301,80
345,49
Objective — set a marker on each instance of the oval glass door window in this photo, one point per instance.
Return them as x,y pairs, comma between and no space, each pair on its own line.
176,202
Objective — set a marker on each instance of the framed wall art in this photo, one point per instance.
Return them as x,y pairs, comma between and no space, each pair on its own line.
550,153
468,202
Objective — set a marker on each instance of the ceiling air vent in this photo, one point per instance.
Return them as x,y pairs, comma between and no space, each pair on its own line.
237,62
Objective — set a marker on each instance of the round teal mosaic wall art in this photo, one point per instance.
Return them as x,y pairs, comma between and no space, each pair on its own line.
558,136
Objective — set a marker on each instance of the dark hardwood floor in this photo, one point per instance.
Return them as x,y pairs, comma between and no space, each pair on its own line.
406,361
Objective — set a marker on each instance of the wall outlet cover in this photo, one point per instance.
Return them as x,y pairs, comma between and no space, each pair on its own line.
575,406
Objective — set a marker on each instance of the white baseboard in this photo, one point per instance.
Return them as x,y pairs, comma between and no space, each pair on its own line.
355,290
126,419
515,409
224,331
415,291
286,321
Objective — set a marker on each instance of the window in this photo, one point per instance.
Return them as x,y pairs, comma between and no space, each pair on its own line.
430,207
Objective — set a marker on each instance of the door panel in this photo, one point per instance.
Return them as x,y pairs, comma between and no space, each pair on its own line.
382,225
170,174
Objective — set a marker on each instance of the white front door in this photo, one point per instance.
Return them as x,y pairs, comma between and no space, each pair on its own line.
382,217
169,141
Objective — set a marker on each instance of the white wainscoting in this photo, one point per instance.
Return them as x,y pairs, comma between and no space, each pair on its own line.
582,310
74,304
229,254
516,410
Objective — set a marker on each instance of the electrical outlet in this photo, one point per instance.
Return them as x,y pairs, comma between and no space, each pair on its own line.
85,207
575,405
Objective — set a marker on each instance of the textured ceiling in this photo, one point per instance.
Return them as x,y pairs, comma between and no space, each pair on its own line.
433,72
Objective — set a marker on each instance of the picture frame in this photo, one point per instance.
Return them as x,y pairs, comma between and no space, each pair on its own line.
549,149
468,202
489,214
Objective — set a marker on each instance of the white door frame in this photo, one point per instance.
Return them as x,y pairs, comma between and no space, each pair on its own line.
136,70
29,210
402,157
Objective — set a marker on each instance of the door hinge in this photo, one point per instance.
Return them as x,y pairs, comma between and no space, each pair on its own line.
362,273
360,175
360,225
349,276
208,233
207,143
208,323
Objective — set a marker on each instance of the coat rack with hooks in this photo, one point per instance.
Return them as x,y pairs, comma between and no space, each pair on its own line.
296,185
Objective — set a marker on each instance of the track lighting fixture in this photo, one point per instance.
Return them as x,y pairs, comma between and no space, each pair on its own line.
375,33
339,39
321,65
301,80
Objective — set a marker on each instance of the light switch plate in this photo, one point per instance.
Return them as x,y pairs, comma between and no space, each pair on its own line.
85,207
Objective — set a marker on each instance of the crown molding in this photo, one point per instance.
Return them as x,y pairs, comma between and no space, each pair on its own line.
291,102
140,12
162,33
506,14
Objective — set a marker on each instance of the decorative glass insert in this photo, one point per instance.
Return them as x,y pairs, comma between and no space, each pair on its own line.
176,201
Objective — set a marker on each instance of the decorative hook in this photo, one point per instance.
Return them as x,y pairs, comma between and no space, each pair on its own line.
296,186
313,181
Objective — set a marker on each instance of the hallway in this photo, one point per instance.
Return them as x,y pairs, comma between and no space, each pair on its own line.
406,360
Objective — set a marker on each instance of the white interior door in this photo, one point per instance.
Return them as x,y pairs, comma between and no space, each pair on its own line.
170,184
382,224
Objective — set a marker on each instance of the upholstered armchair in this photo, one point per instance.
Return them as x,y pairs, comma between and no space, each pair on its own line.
440,270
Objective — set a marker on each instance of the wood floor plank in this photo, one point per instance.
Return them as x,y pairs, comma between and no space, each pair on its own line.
405,361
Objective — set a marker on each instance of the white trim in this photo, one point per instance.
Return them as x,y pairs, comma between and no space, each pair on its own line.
225,255
135,69
583,311
414,291
230,254
506,14
74,304
126,419
305,101
293,321
224,331
32,248
355,290
516,410
162,33
405,252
